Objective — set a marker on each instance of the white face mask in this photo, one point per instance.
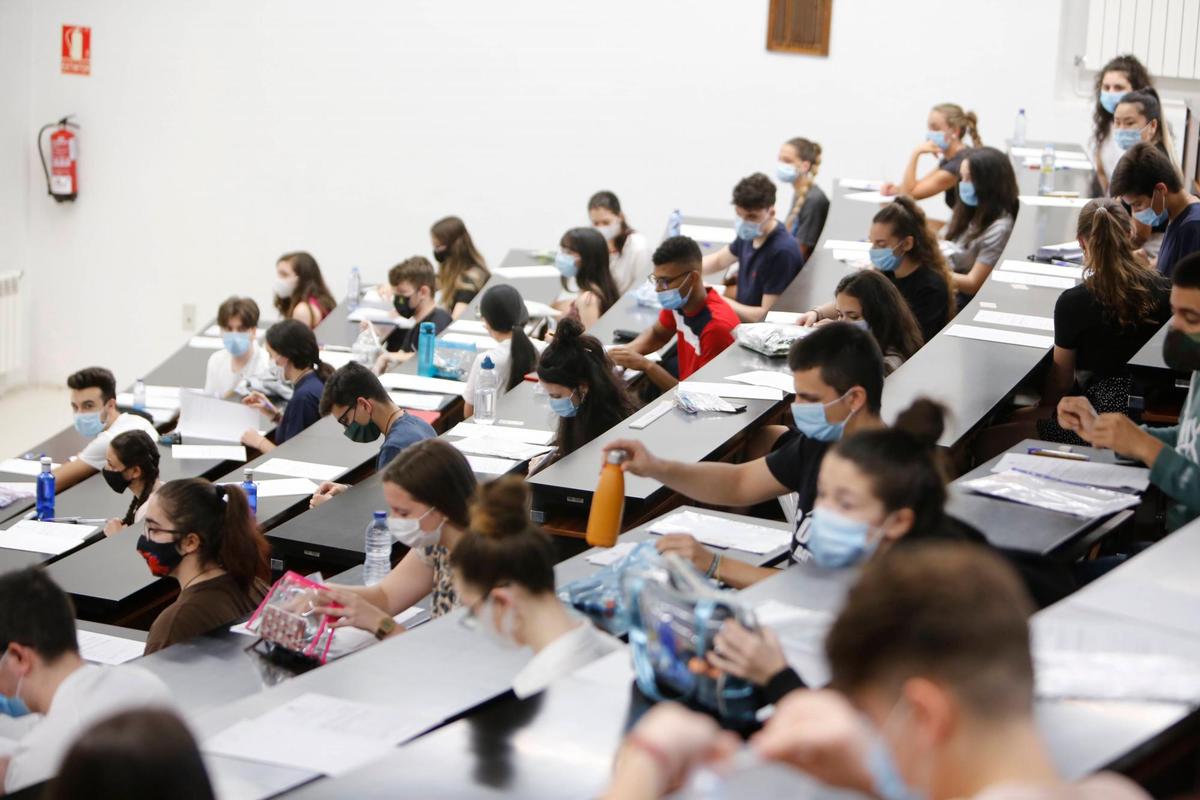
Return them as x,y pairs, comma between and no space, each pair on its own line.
285,287
503,633
610,231
408,531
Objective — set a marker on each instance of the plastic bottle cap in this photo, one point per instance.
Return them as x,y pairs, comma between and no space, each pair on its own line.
427,327
45,461
381,515
616,457
1022,111
487,363
249,474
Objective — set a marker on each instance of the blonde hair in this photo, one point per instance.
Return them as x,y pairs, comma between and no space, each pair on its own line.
966,122
808,151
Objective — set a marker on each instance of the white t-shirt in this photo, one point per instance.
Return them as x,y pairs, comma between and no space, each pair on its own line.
578,647
632,264
1101,786
220,378
501,354
1110,154
96,452
89,694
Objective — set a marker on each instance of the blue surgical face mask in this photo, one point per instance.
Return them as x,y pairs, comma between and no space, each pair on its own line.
886,780
812,420
837,541
236,342
1110,99
564,406
883,258
966,193
1127,137
566,264
938,138
89,424
787,173
748,230
1148,216
673,299
14,706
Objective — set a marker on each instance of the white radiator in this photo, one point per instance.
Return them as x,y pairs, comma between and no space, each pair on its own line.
13,351
1163,34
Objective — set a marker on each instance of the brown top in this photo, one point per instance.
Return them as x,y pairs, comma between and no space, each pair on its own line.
203,607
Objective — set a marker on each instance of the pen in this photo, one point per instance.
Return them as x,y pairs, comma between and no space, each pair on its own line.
1041,451
78,520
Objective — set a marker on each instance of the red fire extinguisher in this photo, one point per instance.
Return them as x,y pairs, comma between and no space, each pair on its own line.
62,174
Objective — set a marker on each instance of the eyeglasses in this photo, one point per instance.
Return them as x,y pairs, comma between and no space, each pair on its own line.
153,529
664,283
344,419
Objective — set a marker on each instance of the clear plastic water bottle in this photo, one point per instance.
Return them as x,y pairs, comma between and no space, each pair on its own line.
353,288
426,344
675,223
139,394
45,491
1019,129
378,548
251,490
1046,179
486,384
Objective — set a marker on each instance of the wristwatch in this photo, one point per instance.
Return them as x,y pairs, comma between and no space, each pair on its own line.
386,626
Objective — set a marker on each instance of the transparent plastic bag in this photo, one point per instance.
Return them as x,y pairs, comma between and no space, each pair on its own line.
453,360
768,338
695,402
1055,495
287,618
366,347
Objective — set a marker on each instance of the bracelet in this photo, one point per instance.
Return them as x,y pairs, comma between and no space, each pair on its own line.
656,753
816,311
714,566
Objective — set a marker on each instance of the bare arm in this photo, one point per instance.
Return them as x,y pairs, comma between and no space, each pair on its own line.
753,313
458,310
713,482
303,312
719,261
1060,377
72,473
971,282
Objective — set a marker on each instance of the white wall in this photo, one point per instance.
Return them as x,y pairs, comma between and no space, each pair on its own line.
219,135
16,20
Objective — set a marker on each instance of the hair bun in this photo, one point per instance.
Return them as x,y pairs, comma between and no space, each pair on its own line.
568,331
924,421
501,508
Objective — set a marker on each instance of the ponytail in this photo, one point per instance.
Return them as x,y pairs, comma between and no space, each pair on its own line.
220,515
965,122
502,546
137,449
1124,287
908,219
808,151
504,311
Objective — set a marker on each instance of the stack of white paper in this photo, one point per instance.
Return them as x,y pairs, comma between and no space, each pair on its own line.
300,469
861,184
418,400
536,271
51,538
208,452
1031,279
776,380
1058,202
708,234
738,391
527,435
100,648
204,417
725,533
783,317
419,383
24,466
500,448
281,487
378,316
1015,320
1136,677
164,397
473,327
1038,268
870,197
483,465
1000,335
541,310
336,358
1091,473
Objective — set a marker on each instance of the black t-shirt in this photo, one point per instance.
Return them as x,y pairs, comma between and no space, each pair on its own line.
795,462
405,339
927,295
1101,345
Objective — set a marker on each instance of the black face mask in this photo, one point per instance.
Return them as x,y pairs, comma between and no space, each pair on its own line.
1181,350
441,255
403,306
161,557
115,480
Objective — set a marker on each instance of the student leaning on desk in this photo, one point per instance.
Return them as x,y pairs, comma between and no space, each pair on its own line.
924,703
295,358
94,401
1170,452
949,127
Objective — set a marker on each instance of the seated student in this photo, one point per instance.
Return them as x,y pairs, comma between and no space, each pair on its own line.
94,401
205,537
1098,326
583,388
870,301
1146,180
295,358
583,255
628,250
300,290
147,754
767,255
515,355
462,271
983,219
354,393
838,375
240,363
131,463
925,703
1170,452
1139,118
504,575
949,127
426,488
701,319
412,281
799,160
42,669
1121,75
906,251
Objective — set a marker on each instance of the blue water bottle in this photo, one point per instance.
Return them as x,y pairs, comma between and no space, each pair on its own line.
426,343
45,491
251,490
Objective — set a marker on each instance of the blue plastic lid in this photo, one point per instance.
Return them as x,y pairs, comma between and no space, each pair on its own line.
427,327
381,515
487,363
